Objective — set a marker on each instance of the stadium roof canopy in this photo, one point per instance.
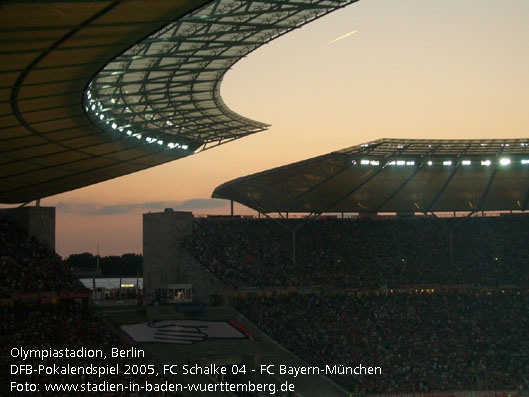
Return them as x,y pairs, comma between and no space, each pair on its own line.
394,175
88,92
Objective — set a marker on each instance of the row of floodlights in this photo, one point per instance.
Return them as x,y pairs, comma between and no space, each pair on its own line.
401,146
503,161
97,109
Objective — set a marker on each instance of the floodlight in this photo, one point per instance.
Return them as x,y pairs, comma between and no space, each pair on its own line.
447,162
466,162
365,162
505,161
485,162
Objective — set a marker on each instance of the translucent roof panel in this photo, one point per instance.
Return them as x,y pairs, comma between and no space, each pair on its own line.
166,89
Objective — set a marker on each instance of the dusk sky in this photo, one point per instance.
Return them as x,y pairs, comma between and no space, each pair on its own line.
413,69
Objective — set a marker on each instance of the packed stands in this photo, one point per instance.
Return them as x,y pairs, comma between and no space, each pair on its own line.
58,327
43,307
29,266
385,292
358,253
422,342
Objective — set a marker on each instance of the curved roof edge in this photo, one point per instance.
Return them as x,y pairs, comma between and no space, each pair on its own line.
166,89
62,128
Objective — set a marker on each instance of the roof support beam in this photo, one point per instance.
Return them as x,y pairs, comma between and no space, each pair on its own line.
409,178
526,201
445,185
486,191
316,186
491,179
352,191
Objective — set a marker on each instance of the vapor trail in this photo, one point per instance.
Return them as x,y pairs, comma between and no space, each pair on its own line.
342,37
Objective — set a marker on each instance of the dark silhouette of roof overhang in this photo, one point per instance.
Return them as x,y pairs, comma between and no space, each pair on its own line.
92,90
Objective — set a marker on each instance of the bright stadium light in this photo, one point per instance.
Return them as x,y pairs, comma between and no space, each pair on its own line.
525,161
184,147
410,162
485,162
466,162
364,162
401,162
430,162
392,162
447,162
505,161
374,162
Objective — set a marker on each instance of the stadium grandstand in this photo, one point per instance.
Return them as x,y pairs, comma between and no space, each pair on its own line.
372,290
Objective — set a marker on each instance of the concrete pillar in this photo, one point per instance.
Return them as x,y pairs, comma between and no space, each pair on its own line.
166,261
163,233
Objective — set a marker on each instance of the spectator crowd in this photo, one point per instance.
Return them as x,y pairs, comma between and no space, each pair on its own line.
29,267
364,253
422,342
447,340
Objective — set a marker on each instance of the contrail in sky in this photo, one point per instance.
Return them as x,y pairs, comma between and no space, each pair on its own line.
343,37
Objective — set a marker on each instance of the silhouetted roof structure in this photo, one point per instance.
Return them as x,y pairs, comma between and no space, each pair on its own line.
394,175
88,92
